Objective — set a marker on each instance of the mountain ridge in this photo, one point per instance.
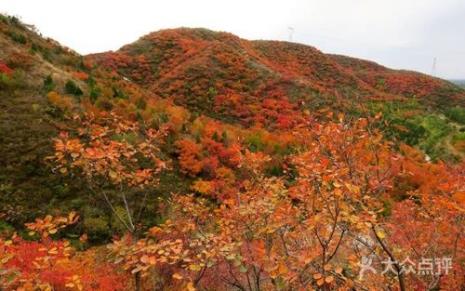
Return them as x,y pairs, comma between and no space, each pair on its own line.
165,61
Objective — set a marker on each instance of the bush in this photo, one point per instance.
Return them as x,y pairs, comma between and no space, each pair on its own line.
15,80
49,85
458,142
5,81
3,18
94,93
456,114
141,103
64,103
255,143
408,131
104,104
17,37
458,137
437,129
19,60
72,88
97,228
118,93
14,20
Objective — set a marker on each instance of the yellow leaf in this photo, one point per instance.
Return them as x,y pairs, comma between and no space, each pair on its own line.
190,286
72,217
177,276
195,267
317,276
320,282
354,218
353,188
380,234
112,174
282,269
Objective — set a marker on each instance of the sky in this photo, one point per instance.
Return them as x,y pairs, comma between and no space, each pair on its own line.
401,34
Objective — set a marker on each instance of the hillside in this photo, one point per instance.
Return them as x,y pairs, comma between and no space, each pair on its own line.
262,83
460,83
203,161
209,61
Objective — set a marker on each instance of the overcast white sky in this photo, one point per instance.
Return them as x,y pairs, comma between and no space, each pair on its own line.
405,34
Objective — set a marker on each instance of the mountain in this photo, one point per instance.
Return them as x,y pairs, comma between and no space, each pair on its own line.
202,69
250,86
247,84
263,83
460,83
186,134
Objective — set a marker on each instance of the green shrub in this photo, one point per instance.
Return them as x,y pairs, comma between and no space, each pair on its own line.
72,88
14,81
94,91
255,143
14,20
104,104
141,103
118,93
17,37
6,229
116,223
49,85
97,228
456,114
458,137
3,18
94,94
437,129
5,81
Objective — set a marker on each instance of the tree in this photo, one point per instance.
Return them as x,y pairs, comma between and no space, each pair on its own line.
270,235
49,264
111,153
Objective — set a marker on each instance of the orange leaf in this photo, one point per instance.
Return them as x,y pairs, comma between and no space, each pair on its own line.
329,279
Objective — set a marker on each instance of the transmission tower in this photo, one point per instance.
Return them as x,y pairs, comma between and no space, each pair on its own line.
433,70
291,33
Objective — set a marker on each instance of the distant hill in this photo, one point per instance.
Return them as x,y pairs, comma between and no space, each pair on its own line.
199,68
461,83
263,83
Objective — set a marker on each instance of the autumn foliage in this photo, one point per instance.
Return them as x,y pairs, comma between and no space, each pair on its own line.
312,233
50,264
195,160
